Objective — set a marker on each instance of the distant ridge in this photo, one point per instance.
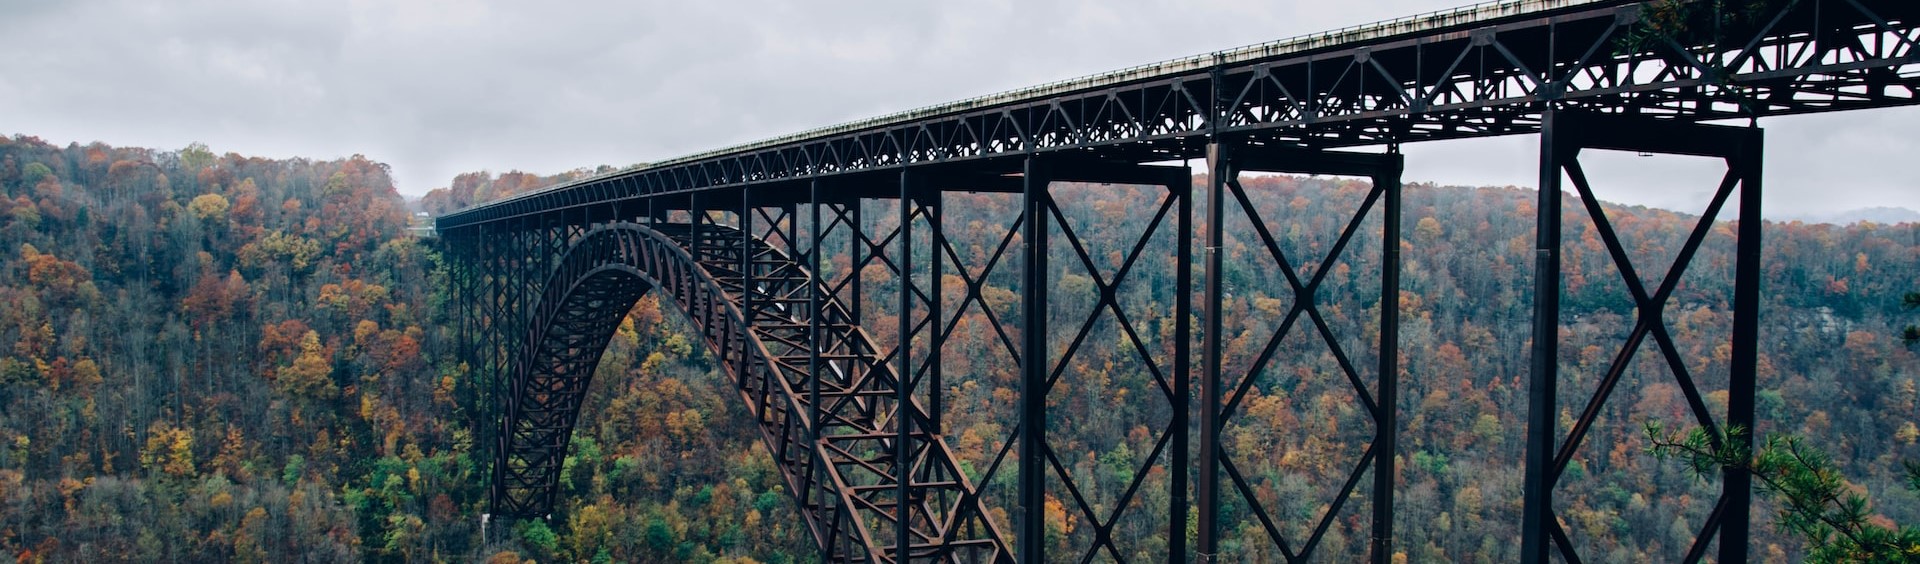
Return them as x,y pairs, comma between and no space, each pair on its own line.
1878,214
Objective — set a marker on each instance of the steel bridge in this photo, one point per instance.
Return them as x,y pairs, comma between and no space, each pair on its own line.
848,395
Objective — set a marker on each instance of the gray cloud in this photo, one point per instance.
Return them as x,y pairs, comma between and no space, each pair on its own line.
438,87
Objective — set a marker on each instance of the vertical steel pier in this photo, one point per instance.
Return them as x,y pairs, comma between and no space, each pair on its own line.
1221,393
1564,134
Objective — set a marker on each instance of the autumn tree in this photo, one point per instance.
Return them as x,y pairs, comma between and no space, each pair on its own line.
209,207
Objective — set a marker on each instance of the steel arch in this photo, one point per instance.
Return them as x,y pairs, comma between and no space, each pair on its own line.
848,493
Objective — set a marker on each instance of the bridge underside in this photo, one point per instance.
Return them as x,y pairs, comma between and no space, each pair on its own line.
820,272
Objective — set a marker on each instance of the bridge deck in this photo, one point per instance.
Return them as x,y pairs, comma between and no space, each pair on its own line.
1487,69
1464,16
1470,15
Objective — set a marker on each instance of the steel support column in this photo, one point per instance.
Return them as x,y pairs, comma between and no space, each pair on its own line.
1386,418
930,208
747,290
814,334
903,416
489,294
1033,366
858,253
1536,511
1219,169
1737,484
809,501
1182,456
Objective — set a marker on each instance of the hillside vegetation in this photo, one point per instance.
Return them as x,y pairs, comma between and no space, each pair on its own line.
220,358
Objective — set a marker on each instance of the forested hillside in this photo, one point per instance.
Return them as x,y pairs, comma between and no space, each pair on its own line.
220,358
214,357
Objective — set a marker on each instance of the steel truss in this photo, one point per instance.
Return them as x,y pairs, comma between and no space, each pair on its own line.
1564,135
844,372
1468,80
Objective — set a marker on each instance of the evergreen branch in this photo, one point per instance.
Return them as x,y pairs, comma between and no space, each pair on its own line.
1817,504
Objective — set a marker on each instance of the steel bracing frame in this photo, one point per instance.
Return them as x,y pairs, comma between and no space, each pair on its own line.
1564,136
819,271
1222,394
1046,359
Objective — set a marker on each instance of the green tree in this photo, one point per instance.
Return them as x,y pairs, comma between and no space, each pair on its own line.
537,535
1911,334
31,174
1816,503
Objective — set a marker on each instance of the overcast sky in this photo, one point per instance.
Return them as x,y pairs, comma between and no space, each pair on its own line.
440,87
